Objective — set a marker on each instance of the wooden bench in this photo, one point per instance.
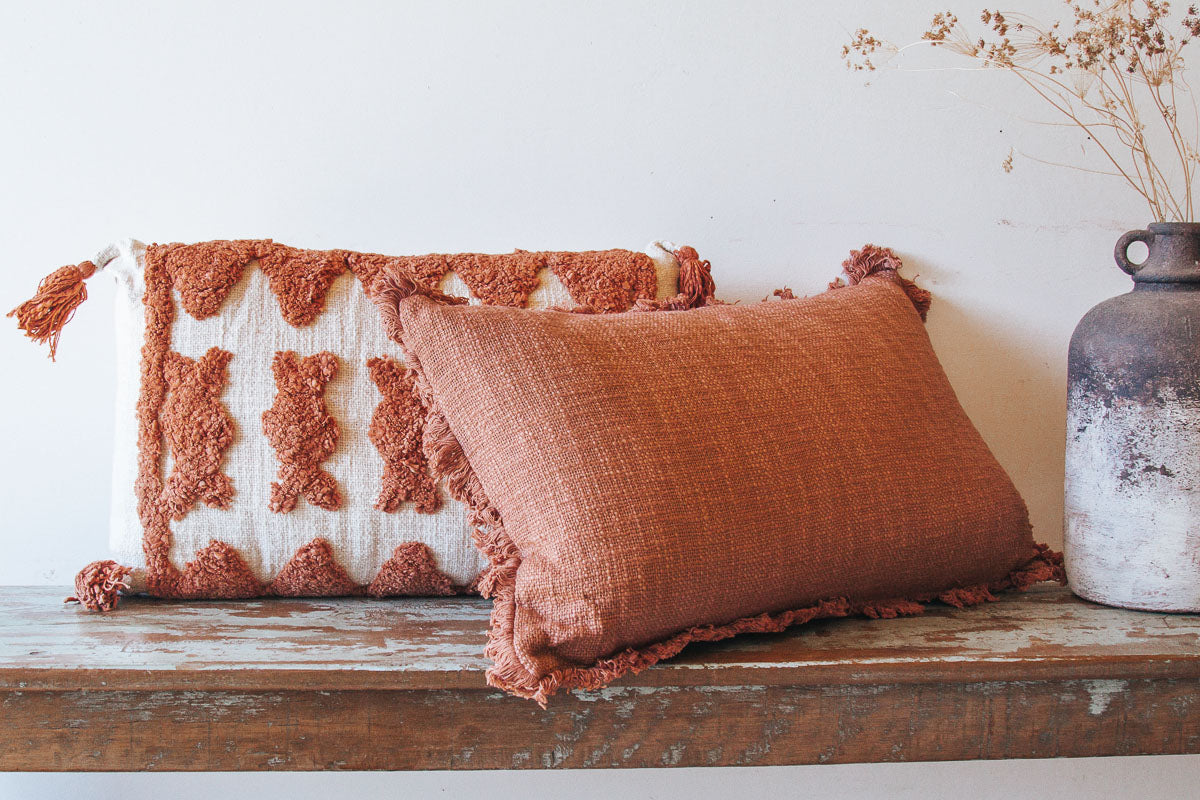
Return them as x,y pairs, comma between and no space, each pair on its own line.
369,684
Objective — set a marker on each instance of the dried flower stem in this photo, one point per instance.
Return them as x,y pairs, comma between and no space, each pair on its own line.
1115,71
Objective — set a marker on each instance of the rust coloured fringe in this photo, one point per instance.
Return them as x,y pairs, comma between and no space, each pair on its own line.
446,455
872,260
512,677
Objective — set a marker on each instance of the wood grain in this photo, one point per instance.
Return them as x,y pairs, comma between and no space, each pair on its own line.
361,684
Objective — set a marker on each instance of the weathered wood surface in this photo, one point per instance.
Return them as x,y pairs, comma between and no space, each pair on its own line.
361,684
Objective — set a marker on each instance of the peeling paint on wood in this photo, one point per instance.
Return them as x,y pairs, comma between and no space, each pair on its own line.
362,684
433,643
681,726
1101,693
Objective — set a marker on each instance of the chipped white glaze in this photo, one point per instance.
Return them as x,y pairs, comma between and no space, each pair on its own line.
1132,507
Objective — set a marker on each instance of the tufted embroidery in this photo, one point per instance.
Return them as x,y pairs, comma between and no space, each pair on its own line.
499,280
205,273
410,571
395,431
161,575
313,572
606,280
428,270
198,429
302,431
300,279
216,572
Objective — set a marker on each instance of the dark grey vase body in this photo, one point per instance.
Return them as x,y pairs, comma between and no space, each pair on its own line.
1132,512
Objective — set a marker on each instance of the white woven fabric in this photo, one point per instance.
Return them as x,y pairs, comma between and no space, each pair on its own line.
251,327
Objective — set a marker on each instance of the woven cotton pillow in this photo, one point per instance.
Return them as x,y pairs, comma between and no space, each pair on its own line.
268,440
651,479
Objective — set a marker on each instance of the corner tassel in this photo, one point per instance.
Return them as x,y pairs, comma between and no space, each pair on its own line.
872,259
695,277
98,584
44,316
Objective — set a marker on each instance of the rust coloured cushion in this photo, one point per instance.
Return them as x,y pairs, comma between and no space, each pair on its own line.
644,480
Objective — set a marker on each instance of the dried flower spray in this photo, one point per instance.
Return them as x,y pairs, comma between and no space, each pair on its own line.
1114,70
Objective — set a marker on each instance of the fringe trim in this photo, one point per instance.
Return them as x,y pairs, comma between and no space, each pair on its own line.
44,316
97,585
508,672
875,260
1044,565
393,286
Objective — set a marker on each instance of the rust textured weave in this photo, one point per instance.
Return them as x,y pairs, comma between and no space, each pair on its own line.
645,480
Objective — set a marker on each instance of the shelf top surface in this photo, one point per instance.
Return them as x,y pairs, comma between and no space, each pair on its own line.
437,643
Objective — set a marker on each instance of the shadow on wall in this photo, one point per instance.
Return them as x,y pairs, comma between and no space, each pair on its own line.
1013,388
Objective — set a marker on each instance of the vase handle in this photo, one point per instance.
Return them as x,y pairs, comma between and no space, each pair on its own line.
1120,252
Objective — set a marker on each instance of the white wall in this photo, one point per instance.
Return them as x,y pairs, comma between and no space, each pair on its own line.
484,126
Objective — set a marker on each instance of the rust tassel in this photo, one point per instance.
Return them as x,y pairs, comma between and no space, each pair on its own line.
98,584
695,277
44,316
872,259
